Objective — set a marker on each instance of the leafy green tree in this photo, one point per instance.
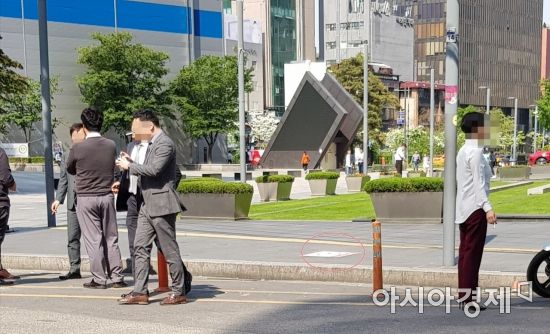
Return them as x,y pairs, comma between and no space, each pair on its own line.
11,83
24,110
544,106
122,77
350,75
206,96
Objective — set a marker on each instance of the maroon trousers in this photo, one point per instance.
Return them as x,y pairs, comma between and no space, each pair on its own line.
472,241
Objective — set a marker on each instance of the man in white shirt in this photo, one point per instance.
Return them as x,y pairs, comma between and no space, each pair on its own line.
399,157
473,210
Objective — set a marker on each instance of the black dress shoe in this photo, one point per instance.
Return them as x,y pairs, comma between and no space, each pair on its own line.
187,283
120,284
471,307
93,285
73,275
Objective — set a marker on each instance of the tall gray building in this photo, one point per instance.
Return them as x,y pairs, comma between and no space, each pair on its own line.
349,24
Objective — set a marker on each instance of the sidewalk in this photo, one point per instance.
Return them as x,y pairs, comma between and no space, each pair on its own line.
412,254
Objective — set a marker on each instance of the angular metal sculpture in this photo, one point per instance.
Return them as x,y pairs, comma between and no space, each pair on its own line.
319,114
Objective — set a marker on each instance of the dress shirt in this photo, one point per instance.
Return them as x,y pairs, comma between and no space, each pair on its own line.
399,154
473,175
138,156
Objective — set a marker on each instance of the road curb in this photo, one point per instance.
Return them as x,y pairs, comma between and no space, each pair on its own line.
427,277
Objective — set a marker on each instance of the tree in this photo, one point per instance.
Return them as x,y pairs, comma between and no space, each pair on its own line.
205,94
349,74
544,106
25,109
263,124
12,83
122,77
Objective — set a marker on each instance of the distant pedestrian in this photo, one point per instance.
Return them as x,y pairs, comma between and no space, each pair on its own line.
473,210
158,213
493,161
66,189
93,163
415,161
7,184
305,161
399,158
360,163
349,163
426,163
229,157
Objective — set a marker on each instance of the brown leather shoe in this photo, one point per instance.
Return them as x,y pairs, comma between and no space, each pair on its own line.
134,299
174,299
4,274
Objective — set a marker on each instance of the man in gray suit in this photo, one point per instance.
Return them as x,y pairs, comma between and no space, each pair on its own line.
66,188
157,215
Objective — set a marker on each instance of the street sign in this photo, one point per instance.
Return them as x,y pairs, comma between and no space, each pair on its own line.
16,150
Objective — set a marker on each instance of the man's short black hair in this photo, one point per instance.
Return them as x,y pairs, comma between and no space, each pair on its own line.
472,121
92,119
75,127
147,115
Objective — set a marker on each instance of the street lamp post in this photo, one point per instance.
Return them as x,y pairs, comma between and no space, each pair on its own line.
514,147
240,59
366,109
536,113
488,103
432,109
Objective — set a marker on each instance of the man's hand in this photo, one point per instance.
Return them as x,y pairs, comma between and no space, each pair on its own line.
55,205
13,188
115,187
491,217
123,163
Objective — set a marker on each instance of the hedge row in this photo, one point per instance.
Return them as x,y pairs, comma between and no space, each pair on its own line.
213,186
275,179
397,184
322,176
31,160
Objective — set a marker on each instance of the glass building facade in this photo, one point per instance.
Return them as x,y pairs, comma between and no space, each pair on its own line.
283,46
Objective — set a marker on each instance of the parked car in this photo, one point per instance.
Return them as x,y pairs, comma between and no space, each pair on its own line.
539,158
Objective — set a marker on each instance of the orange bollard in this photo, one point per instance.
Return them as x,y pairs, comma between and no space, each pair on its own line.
377,282
162,273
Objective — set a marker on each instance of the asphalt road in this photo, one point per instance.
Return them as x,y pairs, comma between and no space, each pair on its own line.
40,303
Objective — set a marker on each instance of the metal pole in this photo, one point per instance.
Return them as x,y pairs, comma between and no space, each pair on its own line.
223,30
514,148
24,37
46,107
432,110
115,9
536,126
366,109
338,31
240,59
406,128
488,100
451,105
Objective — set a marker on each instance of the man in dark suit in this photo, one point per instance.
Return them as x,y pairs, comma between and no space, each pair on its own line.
66,188
7,184
157,216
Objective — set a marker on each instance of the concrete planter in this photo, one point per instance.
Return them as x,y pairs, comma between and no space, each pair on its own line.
322,187
374,175
404,208
274,191
515,173
217,206
355,183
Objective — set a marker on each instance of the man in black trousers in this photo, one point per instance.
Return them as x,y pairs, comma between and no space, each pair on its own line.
66,188
7,184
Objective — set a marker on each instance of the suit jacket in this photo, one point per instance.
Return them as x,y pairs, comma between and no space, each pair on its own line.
157,178
66,187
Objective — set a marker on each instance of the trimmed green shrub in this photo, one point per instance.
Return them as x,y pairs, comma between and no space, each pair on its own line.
359,175
214,187
30,160
201,179
322,176
396,185
275,179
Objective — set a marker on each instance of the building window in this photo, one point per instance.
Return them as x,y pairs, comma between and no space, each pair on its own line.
352,25
331,26
356,6
331,45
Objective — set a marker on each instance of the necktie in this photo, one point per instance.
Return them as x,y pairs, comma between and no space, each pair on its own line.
134,178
